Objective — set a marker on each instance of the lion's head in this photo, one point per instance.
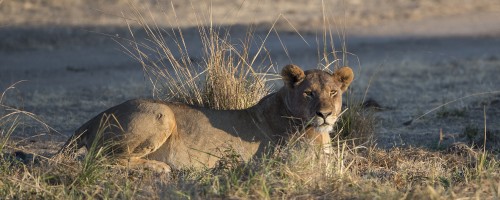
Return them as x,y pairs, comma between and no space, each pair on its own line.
315,96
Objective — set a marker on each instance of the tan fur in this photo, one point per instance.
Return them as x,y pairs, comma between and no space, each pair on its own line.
160,135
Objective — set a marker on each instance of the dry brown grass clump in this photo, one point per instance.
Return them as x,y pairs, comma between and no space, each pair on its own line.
224,77
295,171
357,123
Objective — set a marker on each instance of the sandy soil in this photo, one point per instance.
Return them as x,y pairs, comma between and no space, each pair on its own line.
419,55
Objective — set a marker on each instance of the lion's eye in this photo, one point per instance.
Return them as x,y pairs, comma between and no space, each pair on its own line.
333,93
308,93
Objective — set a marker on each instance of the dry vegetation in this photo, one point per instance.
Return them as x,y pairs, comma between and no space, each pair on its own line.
357,170
294,171
226,78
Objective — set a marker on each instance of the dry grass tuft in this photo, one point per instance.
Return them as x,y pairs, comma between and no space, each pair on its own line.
224,78
357,123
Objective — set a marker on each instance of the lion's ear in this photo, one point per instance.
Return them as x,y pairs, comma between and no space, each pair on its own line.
345,76
292,75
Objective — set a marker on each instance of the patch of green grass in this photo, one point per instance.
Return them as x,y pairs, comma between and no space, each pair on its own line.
357,123
471,132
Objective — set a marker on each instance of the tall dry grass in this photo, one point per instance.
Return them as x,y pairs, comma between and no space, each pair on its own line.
225,77
356,124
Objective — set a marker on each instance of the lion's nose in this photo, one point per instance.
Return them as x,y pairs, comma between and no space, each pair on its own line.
323,114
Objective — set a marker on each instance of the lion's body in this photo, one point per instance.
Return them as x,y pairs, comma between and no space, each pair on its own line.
161,135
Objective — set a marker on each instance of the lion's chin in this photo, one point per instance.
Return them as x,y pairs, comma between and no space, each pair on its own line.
324,128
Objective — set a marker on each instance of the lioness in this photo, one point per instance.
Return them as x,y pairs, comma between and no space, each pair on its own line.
164,136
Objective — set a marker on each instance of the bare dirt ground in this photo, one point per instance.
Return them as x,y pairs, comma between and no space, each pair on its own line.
418,54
